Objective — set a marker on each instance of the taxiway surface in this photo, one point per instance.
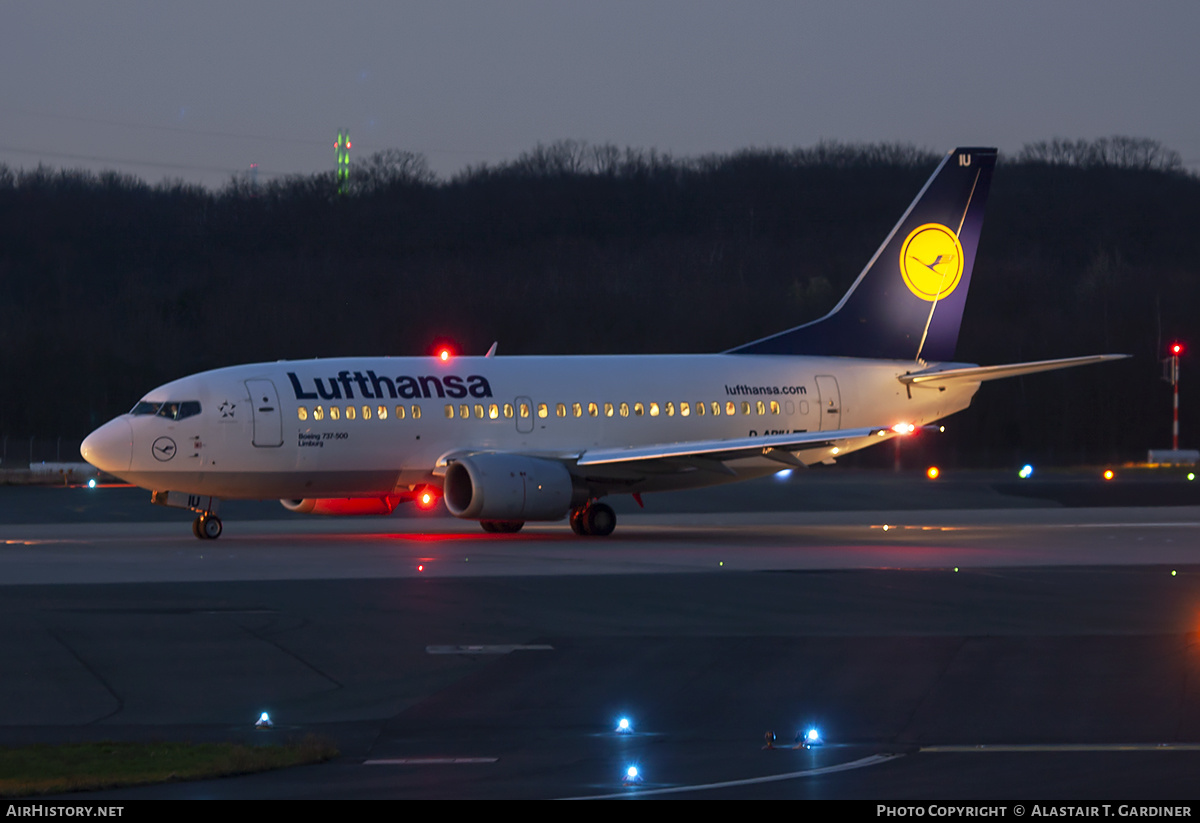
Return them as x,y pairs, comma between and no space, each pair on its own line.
1011,652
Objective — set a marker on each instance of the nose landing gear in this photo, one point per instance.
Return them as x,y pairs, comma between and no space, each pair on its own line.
207,527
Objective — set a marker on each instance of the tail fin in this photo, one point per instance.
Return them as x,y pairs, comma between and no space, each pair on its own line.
908,302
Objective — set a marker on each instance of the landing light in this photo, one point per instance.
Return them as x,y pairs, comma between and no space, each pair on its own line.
783,474
92,483
811,738
904,428
632,775
1026,472
264,721
624,726
1109,474
932,472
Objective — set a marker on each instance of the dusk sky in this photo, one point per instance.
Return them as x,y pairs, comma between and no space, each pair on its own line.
199,91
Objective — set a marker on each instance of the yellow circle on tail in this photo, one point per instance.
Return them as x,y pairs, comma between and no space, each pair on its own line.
931,261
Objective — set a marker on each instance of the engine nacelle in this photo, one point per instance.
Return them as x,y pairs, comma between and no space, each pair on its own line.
509,487
346,506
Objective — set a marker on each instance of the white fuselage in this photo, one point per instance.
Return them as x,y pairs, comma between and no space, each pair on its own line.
374,426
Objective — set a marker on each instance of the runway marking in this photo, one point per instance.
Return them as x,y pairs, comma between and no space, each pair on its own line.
495,648
1001,527
872,760
1068,747
429,761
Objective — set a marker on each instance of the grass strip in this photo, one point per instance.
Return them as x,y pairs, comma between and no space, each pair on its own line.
75,767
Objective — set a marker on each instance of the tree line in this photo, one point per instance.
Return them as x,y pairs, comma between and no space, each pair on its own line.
110,286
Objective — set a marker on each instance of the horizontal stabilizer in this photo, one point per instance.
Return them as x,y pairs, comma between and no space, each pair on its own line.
977,374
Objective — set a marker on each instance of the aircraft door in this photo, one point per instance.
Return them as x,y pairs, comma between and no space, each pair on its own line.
524,415
830,399
268,420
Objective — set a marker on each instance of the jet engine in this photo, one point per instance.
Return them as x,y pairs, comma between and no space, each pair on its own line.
509,487
347,506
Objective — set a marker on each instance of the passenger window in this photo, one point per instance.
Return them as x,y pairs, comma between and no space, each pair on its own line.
302,413
399,412
334,412
745,407
700,409
760,407
654,410
464,411
730,407
684,409
381,412
608,409
670,407
494,412
349,412
561,409
319,413
479,410
449,411
716,407
638,409
774,407
542,411
592,410
577,410
624,409
416,412
508,410
366,410
524,410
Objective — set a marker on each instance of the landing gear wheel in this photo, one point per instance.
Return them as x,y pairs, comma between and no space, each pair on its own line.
210,527
196,529
502,526
599,520
576,518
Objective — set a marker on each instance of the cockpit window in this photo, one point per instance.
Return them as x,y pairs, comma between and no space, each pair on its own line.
171,409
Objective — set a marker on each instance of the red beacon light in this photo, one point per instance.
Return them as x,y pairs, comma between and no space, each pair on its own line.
1176,349
426,498
443,354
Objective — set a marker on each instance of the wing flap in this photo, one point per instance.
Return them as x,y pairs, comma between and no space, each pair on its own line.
773,446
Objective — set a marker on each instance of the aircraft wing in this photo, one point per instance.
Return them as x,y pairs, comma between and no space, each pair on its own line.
977,374
774,446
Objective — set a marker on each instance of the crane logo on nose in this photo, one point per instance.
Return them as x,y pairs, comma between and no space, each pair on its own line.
163,449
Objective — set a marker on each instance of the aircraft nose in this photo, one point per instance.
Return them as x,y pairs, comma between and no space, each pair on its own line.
110,447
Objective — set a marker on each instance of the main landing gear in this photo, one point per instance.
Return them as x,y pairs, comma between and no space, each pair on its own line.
207,527
594,520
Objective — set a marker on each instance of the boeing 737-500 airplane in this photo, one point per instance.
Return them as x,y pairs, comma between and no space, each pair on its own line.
506,440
